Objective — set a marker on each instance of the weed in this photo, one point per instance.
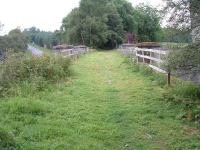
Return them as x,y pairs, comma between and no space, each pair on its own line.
18,70
88,112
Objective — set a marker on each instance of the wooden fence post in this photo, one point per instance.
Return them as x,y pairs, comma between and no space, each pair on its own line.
169,78
143,57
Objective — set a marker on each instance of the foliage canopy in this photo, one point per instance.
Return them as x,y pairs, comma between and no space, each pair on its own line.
105,23
41,38
15,40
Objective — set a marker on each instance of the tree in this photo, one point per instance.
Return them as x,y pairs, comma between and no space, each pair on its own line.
148,21
104,23
71,27
41,38
94,23
115,28
185,14
15,40
128,14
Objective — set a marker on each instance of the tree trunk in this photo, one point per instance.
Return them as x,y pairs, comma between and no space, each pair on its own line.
195,20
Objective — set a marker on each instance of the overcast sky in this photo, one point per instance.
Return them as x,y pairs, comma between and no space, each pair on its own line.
44,14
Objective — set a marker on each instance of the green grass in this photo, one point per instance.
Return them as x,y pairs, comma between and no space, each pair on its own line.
172,46
104,105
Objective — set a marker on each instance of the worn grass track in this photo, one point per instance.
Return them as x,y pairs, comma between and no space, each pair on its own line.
103,106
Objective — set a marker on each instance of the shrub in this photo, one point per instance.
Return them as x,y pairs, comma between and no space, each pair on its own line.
20,67
187,90
186,59
186,94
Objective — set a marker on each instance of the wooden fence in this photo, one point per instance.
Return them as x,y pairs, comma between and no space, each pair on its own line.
152,57
71,51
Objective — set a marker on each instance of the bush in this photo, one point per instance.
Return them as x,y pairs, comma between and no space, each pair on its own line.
187,94
186,59
19,68
184,92
187,90
15,40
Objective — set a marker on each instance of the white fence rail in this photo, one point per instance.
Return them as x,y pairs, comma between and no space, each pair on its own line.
152,57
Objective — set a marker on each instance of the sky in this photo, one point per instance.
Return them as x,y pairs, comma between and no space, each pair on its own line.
46,15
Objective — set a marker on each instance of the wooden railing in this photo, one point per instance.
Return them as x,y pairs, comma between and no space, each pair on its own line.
72,52
152,57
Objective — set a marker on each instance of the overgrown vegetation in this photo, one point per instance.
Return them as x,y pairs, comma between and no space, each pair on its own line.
15,40
103,106
186,58
107,104
184,93
144,70
185,61
171,34
19,69
173,46
42,38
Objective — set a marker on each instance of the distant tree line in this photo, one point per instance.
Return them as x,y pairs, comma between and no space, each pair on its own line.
18,40
15,40
41,38
105,23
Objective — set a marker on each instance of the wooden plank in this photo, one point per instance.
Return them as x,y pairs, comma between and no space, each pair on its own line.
65,50
152,50
150,58
157,69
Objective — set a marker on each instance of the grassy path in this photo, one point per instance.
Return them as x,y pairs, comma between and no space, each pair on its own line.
104,106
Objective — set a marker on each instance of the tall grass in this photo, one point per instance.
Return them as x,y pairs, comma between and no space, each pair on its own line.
186,94
174,46
20,69
145,70
180,92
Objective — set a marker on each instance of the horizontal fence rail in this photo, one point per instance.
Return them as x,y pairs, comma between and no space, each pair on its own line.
152,57
71,51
